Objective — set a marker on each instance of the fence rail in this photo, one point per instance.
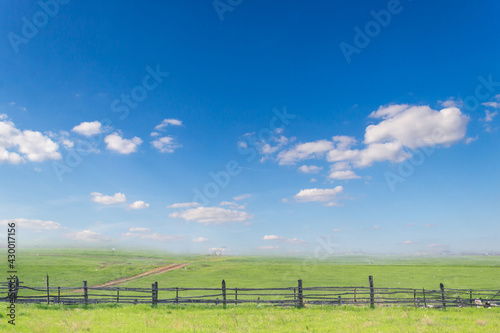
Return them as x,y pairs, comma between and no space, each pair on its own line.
284,296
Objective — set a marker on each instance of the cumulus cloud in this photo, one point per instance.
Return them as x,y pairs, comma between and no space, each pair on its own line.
108,200
495,105
232,205
344,174
184,205
200,240
153,236
88,129
400,129
138,205
318,195
272,237
87,236
139,229
116,143
310,169
489,116
283,239
241,197
305,151
168,122
212,215
33,224
17,146
166,144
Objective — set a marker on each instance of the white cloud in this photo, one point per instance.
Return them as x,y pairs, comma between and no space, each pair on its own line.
452,102
284,239
489,116
87,235
313,180
122,146
401,129
17,145
153,236
304,151
495,105
470,140
241,197
33,224
167,122
184,205
272,237
232,205
139,229
217,249
67,143
345,174
167,144
268,247
336,230
153,134
418,126
212,215
88,128
318,195
310,169
138,205
108,200
200,240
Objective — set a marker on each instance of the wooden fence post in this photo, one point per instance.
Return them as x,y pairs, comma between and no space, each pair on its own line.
355,301
176,295
48,297
85,292
118,295
156,292
425,302
470,297
300,295
153,294
415,297
235,296
224,293
372,292
58,294
441,286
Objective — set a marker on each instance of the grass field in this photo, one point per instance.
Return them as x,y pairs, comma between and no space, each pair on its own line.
71,267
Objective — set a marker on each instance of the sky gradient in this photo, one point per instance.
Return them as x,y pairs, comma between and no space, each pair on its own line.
252,127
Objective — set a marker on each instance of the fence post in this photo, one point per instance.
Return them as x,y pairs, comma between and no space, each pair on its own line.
415,297
176,295
48,297
156,292
153,294
300,295
372,292
224,293
355,301
425,302
442,294
85,293
235,296
470,297
58,294
117,294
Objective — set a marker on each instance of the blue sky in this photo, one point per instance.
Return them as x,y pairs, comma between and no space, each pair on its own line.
252,127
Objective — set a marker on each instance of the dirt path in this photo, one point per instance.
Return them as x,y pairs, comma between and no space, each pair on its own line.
155,271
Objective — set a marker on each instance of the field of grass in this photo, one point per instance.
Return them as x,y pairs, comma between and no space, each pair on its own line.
142,318
71,267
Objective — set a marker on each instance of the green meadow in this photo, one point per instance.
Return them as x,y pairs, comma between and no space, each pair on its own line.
69,267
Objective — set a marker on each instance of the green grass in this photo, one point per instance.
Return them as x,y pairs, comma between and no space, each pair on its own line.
71,267
142,318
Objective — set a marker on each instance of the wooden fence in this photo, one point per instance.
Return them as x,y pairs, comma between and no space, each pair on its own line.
288,296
